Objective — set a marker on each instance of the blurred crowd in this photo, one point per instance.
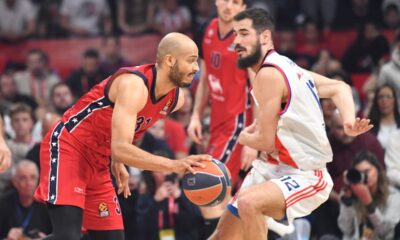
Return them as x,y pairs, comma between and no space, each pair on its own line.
365,169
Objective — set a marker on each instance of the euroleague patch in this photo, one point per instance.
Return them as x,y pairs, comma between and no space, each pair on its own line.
103,210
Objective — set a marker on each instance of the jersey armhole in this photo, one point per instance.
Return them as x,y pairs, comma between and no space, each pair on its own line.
112,78
289,97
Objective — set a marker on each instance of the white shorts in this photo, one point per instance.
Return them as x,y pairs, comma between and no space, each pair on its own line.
303,190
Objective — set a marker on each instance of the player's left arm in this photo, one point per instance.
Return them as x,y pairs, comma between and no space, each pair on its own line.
269,90
342,97
181,100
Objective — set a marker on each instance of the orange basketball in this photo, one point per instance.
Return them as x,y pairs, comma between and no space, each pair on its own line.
209,185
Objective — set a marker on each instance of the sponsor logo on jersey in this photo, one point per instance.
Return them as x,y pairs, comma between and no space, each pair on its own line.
164,111
103,210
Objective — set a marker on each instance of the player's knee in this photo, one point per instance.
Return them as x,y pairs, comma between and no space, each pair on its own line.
246,204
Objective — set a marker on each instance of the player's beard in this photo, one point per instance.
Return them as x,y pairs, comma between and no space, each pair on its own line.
252,59
177,76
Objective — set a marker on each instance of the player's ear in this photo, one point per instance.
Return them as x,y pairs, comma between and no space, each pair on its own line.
169,60
265,36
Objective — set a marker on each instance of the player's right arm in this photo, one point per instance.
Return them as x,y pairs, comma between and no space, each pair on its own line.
200,103
342,97
129,95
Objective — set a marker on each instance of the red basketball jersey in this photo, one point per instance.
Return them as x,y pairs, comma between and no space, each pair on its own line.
89,120
226,82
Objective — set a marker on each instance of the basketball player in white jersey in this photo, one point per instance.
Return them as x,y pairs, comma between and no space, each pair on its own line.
291,178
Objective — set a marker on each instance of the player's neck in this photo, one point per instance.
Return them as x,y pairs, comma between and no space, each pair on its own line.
163,84
224,28
264,50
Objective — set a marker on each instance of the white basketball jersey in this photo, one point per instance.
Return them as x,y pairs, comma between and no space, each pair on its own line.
301,139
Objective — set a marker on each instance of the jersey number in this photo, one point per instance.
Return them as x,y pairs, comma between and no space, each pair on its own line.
140,122
215,59
290,183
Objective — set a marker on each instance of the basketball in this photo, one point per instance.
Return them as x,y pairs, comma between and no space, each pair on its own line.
209,185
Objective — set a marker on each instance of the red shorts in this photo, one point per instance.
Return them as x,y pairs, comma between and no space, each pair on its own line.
72,174
224,147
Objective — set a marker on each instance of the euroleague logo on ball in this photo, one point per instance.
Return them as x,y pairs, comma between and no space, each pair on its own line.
208,186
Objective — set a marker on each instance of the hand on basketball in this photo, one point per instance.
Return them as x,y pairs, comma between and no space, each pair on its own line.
194,130
187,163
359,126
5,157
122,177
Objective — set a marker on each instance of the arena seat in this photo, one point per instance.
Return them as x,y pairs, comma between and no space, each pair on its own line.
65,54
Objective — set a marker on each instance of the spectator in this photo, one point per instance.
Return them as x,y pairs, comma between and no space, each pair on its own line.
21,216
312,44
171,17
366,52
37,79
345,148
84,17
17,20
390,72
368,206
287,42
49,19
135,16
112,60
176,137
391,13
9,93
392,159
22,122
204,10
83,79
61,98
323,12
326,63
355,13
384,114
163,209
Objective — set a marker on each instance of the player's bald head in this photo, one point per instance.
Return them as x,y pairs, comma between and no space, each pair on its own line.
174,44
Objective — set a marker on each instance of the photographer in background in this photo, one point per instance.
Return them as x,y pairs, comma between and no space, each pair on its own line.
163,212
368,206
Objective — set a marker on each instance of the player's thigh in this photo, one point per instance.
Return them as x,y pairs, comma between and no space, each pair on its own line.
102,209
64,170
266,197
229,227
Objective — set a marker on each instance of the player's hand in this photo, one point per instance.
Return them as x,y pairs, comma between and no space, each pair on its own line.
5,157
194,130
187,163
122,176
359,126
248,156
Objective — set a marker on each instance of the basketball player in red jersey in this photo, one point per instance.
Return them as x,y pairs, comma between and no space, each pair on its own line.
227,87
75,154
